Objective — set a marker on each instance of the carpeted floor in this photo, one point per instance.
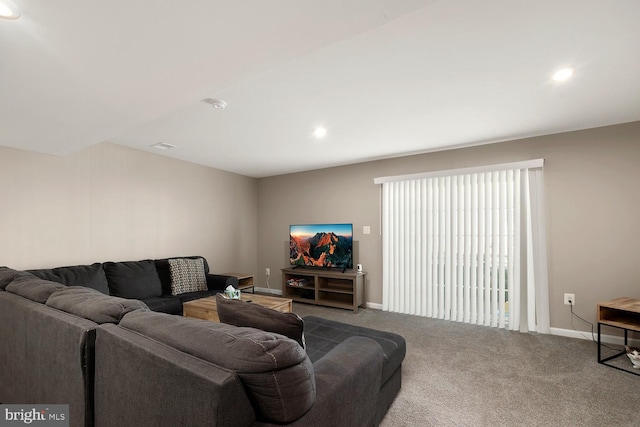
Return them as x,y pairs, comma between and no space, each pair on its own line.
463,375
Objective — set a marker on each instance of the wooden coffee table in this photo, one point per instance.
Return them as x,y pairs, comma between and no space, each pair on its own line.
205,308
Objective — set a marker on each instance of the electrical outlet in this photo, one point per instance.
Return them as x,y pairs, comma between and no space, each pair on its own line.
268,272
570,299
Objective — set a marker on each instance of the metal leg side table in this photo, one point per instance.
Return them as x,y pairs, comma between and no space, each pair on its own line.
620,313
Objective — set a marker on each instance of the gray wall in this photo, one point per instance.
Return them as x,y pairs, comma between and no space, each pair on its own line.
110,202
592,181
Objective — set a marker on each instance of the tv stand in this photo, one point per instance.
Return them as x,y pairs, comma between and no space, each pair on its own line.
331,288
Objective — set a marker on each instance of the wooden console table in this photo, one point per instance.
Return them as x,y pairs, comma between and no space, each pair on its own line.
621,313
331,288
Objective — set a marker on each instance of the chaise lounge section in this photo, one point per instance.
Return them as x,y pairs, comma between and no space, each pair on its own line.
229,376
323,334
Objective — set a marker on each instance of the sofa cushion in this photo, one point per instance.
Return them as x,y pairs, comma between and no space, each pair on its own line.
93,305
91,276
7,275
241,313
275,371
187,275
322,335
133,279
33,288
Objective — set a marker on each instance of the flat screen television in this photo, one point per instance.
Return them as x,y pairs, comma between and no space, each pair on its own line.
321,245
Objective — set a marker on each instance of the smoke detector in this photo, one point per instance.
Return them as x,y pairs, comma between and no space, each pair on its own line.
218,104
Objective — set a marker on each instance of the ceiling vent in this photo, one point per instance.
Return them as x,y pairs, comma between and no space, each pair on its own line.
162,146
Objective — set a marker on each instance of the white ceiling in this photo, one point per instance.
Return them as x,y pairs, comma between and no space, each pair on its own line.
385,77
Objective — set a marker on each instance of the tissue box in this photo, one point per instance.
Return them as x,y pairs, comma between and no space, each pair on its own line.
232,293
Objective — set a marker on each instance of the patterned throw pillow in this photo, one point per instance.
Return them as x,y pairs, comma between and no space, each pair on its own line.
187,275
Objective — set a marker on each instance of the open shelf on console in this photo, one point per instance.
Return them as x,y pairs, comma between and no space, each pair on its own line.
334,284
300,293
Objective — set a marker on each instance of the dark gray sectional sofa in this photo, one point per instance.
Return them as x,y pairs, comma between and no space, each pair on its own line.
148,281
117,363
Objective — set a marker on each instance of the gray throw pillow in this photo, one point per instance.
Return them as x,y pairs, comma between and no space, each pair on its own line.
187,275
93,305
246,314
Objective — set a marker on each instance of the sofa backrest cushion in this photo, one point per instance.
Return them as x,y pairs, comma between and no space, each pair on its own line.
45,356
33,288
7,275
242,313
275,371
133,279
164,271
187,275
91,276
93,305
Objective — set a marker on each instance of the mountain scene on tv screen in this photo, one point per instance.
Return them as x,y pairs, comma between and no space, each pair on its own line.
321,250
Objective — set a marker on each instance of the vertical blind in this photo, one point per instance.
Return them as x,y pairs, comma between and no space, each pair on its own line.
467,245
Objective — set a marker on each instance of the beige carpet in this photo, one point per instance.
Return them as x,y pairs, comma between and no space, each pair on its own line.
462,375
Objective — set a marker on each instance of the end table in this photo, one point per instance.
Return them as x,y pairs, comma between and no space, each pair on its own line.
245,281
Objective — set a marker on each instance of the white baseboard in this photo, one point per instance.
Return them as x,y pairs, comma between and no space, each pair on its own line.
586,335
570,333
373,305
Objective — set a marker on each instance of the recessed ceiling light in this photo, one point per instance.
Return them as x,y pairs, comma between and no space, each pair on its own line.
162,146
563,74
218,104
319,132
8,10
